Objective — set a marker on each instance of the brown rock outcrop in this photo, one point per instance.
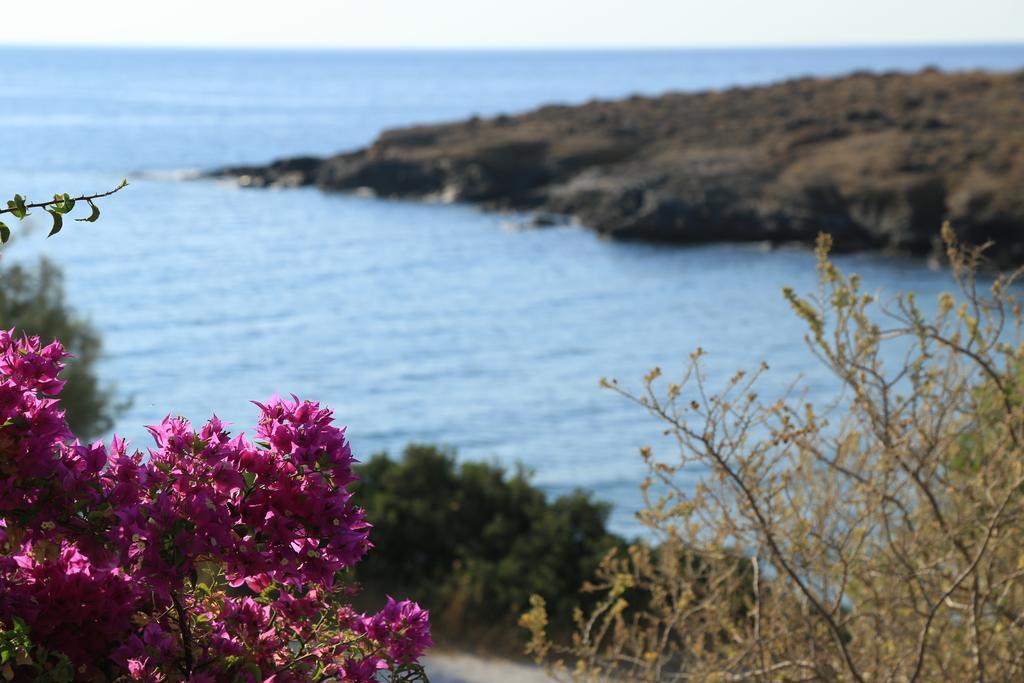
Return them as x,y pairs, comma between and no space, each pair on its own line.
879,161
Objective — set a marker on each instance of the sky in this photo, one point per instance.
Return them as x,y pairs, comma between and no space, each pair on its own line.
510,23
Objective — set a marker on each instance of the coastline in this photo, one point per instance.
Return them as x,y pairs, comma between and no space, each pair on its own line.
877,160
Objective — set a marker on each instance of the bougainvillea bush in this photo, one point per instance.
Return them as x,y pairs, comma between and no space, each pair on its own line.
206,558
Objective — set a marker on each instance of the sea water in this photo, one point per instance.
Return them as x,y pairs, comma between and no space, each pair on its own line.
415,322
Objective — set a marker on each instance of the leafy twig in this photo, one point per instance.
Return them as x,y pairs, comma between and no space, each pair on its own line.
58,207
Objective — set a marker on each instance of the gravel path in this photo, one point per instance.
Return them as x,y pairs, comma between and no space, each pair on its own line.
452,667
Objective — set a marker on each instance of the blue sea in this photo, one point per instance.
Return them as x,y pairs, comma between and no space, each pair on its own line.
415,322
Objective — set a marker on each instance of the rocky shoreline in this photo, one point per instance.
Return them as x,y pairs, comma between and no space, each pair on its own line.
877,160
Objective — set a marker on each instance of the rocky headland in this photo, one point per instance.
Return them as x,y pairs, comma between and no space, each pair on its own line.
877,160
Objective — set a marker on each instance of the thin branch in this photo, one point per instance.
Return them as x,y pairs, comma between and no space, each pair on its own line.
186,634
82,198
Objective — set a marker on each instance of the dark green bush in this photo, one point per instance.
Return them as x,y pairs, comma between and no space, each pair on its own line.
473,541
32,301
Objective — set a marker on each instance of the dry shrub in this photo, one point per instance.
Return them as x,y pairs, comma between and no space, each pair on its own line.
876,538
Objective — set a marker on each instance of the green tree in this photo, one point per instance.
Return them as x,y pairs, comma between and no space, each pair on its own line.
33,302
472,542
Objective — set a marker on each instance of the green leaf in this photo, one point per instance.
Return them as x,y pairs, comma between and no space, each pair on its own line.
93,216
5,233
63,203
17,207
58,222
63,671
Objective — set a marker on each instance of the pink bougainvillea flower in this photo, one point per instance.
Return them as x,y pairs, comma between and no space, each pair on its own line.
207,558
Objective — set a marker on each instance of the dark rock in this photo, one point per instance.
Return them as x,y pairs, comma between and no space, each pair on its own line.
292,172
548,220
386,177
879,161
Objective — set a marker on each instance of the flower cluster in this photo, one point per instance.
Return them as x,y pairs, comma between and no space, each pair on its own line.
207,558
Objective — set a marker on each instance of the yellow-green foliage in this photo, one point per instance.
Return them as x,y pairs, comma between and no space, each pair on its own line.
876,537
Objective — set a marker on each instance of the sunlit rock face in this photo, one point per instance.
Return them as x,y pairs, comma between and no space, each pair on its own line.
879,161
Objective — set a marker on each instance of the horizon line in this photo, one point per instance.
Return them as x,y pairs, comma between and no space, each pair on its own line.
1008,43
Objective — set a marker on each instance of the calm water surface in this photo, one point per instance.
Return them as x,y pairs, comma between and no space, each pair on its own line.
415,322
